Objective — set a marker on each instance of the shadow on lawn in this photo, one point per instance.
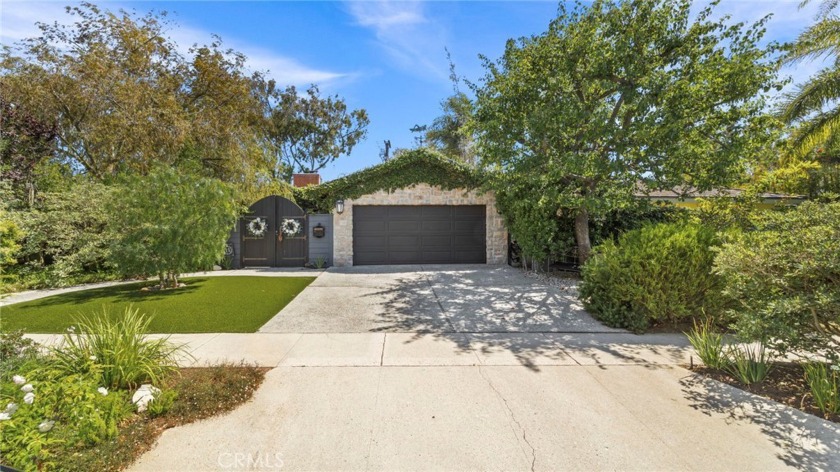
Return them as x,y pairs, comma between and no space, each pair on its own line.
807,442
128,293
499,309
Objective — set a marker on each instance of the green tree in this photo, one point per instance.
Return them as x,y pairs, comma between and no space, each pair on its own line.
449,133
308,132
25,142
783,277
813,106
123,99
616,94
168,223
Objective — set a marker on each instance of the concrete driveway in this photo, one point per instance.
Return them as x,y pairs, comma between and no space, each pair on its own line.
434,299
477,368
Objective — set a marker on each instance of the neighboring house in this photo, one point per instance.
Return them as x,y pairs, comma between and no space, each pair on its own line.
419,208
687,197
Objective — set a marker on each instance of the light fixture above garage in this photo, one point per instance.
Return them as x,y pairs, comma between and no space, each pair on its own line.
339,206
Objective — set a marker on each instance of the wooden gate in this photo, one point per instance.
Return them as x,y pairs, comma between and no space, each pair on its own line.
274,234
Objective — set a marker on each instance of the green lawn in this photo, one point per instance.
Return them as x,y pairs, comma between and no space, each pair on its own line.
206,305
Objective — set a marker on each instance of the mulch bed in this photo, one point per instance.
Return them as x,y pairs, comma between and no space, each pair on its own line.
785,384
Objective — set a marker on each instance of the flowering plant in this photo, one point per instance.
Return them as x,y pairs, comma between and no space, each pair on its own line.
290,227
257,227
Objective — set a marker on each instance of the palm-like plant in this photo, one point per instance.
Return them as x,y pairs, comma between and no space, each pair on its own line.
815,104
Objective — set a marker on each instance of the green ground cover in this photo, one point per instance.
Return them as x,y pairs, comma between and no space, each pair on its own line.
238,304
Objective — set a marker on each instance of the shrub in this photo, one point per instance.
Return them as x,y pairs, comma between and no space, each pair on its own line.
749,365
64,235
708,343
783,279
824,382
118,349
47,409
658,273
15,351
168,223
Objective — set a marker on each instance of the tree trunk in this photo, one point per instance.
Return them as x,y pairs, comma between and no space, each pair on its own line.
582,235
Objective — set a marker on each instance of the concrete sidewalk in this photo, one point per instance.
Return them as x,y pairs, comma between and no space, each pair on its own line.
484,417
531,350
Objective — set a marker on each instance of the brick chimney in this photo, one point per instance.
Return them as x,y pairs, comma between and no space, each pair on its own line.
305,180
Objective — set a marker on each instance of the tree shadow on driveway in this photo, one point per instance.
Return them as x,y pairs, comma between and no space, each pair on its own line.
805,441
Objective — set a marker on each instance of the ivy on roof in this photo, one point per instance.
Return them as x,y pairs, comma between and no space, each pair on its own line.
408,169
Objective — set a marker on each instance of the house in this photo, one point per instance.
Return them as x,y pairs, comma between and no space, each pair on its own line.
419,208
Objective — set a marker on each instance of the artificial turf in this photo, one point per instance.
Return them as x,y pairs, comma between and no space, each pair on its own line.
233,304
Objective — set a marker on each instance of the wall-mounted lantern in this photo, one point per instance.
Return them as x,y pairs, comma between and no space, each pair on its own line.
319,231
339,206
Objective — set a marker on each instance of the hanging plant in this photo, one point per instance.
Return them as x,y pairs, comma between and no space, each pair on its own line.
257,227
290,227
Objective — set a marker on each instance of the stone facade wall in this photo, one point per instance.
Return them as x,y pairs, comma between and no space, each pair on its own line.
421,194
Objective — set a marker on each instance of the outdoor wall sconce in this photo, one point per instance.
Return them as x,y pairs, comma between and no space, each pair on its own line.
319,231
339,206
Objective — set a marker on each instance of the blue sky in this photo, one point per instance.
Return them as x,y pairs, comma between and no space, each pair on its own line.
386,57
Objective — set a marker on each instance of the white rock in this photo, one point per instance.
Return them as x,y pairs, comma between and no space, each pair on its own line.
143,396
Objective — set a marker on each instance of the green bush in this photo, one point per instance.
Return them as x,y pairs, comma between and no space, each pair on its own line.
708,343
749,365
64,236
168,223
824,382
658,273
783,278
118,349
48,410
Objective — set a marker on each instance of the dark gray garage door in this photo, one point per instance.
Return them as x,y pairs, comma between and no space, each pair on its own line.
425,234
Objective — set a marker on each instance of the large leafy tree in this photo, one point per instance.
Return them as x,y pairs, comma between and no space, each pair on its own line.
813,105
25,142
307,132
123,99
170,222
614,96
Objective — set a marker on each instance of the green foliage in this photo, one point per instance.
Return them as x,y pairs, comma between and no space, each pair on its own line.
65,234
749,364
556,240
655,274
824,382
307,133
118,350
162,403
708,343
320,262
615,93
63,410
812,105
724,213
10,236
130,99
15,351
168,223
410,168
783,278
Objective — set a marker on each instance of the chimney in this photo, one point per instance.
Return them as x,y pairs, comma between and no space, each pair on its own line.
305,180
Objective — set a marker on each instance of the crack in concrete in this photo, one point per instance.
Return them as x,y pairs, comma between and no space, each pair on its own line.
440,305
512,417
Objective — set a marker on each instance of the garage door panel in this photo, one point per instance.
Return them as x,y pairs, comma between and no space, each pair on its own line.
403,212
401,242
430,234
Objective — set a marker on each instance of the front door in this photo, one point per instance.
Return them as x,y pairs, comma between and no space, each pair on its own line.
274,234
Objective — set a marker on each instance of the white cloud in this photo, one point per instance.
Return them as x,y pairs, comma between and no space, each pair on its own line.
412,40
18,21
